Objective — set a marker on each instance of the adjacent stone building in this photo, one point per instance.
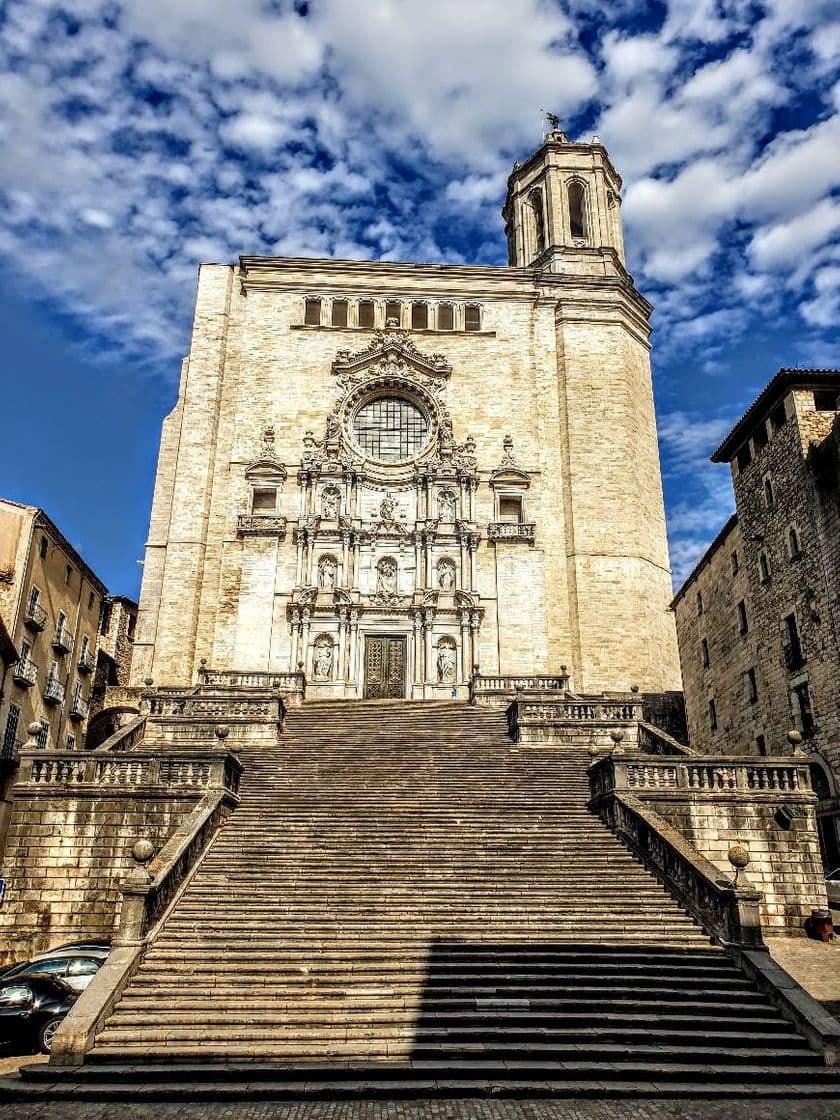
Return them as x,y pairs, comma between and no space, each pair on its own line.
394,476
51,602
758,620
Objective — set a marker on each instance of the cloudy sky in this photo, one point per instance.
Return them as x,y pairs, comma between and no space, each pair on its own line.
138,138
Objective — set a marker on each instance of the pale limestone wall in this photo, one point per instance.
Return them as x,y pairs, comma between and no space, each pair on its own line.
593,590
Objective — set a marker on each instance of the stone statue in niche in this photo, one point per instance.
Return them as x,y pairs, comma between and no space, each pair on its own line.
446,505
386,579
445,663
330,504
322,659
446,576
327,572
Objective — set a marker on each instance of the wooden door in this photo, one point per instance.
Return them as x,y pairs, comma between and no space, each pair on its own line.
384,668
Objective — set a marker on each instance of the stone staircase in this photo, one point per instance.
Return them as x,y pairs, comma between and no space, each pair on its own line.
406,903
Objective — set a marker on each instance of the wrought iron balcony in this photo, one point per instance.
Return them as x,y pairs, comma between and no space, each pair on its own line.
79,708
87,662
512,531
62,640
25,672
260,524
36,617
54,691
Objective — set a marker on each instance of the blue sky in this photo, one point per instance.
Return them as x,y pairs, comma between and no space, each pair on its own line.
139,138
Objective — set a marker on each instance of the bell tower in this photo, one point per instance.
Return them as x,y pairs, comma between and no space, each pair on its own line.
564,199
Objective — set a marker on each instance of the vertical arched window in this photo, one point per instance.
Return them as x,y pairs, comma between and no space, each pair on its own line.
577,210
535,201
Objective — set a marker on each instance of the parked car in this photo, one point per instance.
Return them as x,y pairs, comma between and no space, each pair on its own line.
76,966
31,1009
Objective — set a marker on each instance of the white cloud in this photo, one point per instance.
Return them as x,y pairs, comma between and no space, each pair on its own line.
788,242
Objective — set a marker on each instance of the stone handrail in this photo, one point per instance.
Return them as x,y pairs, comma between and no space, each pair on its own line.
720,775
232,678
728,914
124,738
60,769
148,892
653,740
592,711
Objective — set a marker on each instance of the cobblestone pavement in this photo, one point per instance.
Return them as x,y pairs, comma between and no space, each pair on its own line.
432,1110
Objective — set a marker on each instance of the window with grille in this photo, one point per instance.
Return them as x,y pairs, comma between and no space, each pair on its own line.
10,735
390,429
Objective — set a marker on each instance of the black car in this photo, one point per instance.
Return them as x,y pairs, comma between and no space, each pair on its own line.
31,1008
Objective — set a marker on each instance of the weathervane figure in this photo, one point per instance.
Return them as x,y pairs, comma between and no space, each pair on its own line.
552,120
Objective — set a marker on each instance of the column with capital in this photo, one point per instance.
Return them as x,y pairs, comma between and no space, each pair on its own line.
428,626
473,548
352,672
345,578
475,625
341,665
465,651
463,542
294,616
305,616
417,620
419,581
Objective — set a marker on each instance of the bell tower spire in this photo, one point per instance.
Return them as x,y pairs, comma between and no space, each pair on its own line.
563,199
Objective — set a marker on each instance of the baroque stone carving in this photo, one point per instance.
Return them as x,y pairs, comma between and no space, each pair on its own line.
446,575
447,506
330,503
327,572
386,582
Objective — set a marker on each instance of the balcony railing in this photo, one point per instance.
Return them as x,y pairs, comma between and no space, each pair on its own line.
36,617
512,531
54,691
25,672
62,640
87,662
11,748
260,524
79,707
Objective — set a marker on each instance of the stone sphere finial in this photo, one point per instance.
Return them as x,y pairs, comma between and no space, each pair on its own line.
634,688
33,729
794,737
148,682
221,731
617,735
143,851
738,856
593,750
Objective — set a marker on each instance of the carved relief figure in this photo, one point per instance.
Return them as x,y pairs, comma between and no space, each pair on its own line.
446,661
386,578
446,505
330,503
322,658
327,572
446,575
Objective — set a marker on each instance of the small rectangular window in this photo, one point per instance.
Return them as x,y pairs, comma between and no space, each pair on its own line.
91,600
393,311
11,732
778,417
743,624
42,548
802,694
826,400
339,313
736,564
712,715
446,317
312,313
752,686
769,496
763,568
419,316
744,457
264,500
68,574
70,742
704,653
472,318
761,745
43,736
760,440
794,656
34,596
794,549
510,510
699,602
366,311
25,650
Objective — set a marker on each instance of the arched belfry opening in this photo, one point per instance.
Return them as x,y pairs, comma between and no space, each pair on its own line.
537,222
576,196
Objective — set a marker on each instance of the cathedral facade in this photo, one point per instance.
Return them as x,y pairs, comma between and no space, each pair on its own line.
393,477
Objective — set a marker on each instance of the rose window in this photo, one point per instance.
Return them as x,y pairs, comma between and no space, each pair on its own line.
390,429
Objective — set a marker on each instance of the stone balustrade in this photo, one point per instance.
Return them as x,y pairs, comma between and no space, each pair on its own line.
260,525
59,769
575,720
498,690
512,531
765,805
286,683
125,738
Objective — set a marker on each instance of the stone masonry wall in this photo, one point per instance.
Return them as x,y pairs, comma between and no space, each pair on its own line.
64,858
785,864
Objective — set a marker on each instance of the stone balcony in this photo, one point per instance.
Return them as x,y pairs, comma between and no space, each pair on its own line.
79,708
260,525
62,640
525,531
36,617
87,662
54,691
